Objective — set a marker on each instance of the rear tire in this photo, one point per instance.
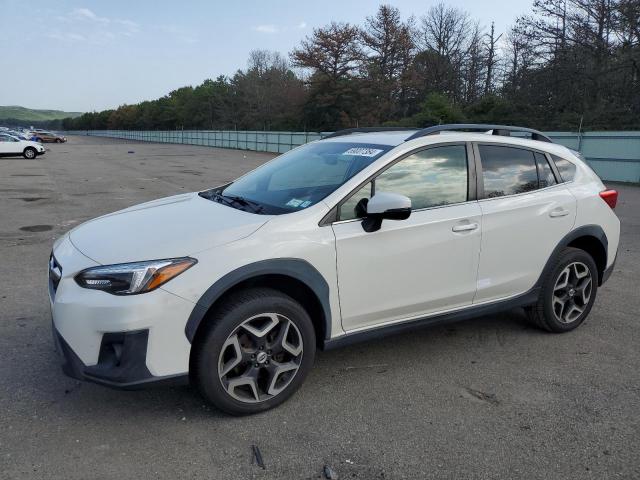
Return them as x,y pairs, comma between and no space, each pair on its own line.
568,292
29,153
256,351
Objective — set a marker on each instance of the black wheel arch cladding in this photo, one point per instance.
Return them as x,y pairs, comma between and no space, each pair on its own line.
304,272
296,269
587,231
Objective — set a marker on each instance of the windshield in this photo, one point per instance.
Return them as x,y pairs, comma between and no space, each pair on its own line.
298,179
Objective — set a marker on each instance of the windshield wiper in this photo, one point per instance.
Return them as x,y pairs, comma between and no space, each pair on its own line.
254,206
233,201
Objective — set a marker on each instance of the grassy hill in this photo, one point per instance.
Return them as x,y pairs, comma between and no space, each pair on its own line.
29,115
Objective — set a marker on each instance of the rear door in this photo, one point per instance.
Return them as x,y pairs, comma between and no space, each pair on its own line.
525,213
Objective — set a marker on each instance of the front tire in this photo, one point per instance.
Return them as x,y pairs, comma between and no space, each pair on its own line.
255,352
568,292
58,140
29,153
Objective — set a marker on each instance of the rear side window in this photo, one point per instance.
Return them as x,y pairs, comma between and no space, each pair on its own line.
507,170
545,174
565,167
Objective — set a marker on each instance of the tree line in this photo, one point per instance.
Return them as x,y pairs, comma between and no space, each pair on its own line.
567,65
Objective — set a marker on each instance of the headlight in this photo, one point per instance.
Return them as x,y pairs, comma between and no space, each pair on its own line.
132,278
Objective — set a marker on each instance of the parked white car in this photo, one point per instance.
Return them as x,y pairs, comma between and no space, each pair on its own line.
356,236
11,146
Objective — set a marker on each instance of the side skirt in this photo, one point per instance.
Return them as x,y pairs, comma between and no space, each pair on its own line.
526,299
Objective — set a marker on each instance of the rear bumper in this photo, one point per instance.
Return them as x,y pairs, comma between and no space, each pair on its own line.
608,271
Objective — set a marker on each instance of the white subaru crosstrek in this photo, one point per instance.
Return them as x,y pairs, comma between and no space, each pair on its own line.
11,146
359,235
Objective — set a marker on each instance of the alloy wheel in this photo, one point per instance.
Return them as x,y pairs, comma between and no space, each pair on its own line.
260,358
572,292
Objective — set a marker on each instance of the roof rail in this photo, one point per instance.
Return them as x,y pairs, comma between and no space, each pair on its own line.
349,131
497,130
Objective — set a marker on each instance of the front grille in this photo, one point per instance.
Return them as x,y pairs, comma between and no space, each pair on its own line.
55,273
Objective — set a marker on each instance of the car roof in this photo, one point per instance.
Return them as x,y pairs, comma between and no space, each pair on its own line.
396,138
390,138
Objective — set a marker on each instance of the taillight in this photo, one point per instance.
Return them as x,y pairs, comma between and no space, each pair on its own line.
610,196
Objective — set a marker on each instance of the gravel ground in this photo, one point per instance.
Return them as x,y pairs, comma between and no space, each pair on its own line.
486,398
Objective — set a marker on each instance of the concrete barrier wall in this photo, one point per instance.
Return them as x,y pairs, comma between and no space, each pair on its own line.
615,156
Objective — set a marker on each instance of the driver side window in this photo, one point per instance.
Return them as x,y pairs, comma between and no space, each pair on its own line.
432,177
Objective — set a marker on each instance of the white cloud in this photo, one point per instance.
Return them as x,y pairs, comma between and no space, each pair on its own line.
86,14
270,28
266,28
91,27
66,36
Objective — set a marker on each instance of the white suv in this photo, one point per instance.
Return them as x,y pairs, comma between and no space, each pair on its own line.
362,234
11,146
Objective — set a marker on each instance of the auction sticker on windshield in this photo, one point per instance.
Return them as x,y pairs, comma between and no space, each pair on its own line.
363,152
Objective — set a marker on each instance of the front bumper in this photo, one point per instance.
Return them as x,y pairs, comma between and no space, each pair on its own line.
121,364
117,341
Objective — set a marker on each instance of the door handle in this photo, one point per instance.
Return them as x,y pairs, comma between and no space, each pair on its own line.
558,213
465,227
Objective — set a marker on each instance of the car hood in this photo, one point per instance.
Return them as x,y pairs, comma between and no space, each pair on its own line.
169,227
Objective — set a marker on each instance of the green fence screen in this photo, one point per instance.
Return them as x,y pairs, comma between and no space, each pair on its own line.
615,156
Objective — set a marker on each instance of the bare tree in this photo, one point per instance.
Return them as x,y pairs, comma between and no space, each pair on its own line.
268,91
520,57
474,65
445,30
445,36
492,42
263,60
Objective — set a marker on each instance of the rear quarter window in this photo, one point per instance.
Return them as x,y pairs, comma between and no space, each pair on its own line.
566,169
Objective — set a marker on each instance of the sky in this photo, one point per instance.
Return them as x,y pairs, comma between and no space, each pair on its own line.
87,55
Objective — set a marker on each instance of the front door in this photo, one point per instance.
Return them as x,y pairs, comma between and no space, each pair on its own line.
415,267
8,145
